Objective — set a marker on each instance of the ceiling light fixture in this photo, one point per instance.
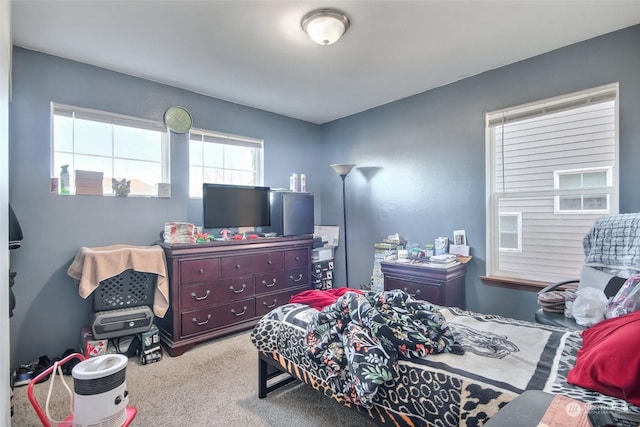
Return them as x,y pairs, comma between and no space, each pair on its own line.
325,26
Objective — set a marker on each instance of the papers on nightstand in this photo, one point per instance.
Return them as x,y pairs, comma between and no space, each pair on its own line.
443,259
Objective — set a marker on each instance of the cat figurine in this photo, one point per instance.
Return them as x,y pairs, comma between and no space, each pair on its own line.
121,187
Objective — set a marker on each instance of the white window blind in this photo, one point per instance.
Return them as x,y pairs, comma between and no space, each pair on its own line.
545,161
221,158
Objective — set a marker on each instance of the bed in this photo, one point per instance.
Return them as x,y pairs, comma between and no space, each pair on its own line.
502,358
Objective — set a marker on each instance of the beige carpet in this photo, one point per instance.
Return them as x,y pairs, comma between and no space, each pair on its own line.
214,384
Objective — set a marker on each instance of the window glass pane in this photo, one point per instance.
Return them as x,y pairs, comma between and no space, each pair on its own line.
63,133
570,203
92,138
508,223
595,202
241,177
146,172
141,144
508,241
195,153
195,182
595,179
567,181
213,155
214,176
238,158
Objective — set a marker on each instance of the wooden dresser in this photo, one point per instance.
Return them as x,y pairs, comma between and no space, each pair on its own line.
441,286
222,287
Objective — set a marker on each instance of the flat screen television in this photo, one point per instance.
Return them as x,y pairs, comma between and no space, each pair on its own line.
227,206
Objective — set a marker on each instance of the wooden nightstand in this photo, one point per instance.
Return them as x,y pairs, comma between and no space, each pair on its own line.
441,286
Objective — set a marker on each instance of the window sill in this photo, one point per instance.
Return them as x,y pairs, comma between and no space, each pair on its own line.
512,283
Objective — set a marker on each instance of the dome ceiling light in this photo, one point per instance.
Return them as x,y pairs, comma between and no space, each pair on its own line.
325,26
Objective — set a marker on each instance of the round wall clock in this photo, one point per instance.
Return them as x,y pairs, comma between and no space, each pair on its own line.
177,119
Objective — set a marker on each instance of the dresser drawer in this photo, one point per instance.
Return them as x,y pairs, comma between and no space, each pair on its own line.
243,265
200,270
266,303
211,293
416,290
197,321
296,258
281,280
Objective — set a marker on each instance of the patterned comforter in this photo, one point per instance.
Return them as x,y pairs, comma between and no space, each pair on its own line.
503,358
357,340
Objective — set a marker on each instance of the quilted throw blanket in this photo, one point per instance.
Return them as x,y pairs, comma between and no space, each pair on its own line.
358,339
613,244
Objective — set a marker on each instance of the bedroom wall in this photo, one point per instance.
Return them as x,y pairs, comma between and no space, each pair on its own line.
421,160
420,170
49,312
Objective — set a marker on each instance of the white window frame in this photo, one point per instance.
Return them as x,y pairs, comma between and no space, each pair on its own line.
518,216
111,119
556,185
208,136
494,195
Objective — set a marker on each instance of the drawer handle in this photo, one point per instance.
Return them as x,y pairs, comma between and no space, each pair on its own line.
244,310
238,266
275,301
197,298
244,285
270,262
204,322
410,294
201,271
297,258
296,280
273,283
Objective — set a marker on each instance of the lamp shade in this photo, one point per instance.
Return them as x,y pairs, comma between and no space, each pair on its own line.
325,26
342,169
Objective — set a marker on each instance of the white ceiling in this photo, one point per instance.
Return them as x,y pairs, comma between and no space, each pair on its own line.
254,52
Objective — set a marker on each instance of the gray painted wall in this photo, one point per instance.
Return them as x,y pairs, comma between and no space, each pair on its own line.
421,160
49,312
420,171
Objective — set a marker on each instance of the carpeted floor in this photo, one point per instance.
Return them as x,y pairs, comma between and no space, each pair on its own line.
214,384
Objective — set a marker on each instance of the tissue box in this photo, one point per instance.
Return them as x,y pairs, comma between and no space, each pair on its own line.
89,182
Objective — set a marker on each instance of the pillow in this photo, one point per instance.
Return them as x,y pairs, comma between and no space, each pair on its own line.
609,359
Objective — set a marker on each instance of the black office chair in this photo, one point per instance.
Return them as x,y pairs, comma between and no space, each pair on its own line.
612,254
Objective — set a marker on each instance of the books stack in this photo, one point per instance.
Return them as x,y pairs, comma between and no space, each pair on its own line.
443,260
384,251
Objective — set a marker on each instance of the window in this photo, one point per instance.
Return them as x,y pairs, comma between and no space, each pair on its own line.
223,159
583,203
551,171
510,231
117,146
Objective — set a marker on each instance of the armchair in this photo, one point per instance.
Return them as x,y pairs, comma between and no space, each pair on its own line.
612,255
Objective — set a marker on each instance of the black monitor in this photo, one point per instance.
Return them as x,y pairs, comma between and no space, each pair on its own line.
227,206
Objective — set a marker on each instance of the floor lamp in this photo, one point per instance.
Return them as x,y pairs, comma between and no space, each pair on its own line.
343,170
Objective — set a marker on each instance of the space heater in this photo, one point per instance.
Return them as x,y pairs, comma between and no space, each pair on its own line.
100,391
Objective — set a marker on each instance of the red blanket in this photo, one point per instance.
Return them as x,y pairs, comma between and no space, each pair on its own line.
320,299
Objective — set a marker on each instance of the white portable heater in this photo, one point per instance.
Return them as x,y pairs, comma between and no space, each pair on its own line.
100,391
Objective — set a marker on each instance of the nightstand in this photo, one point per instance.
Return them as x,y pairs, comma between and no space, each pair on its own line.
437,285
